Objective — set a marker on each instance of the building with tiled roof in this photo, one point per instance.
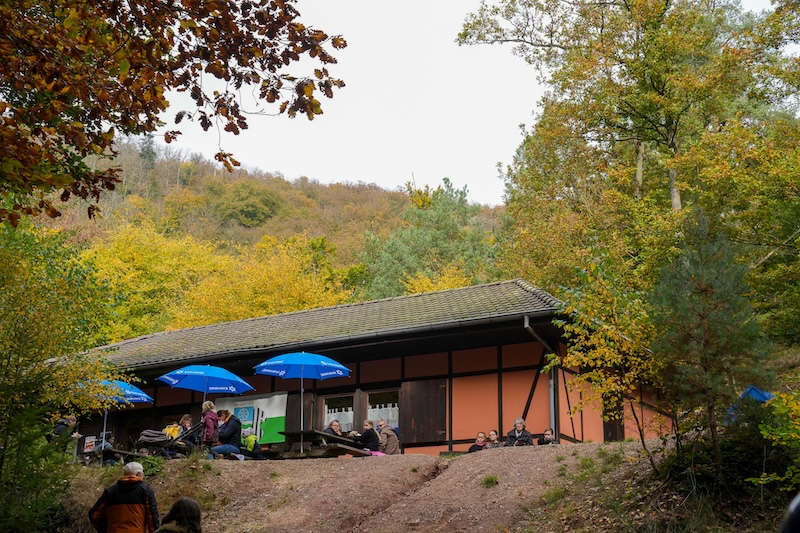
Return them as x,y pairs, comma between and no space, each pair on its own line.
440,366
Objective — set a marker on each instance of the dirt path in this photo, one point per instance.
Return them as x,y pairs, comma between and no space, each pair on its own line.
457,499
375,494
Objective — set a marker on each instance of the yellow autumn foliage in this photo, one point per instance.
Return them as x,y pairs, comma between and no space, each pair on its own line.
51,309
270,277
150,273
451,276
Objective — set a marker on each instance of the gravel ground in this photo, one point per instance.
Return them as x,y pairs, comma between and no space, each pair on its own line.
376,494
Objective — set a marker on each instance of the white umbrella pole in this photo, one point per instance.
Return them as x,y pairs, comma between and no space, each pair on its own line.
205,389
103,436
301,409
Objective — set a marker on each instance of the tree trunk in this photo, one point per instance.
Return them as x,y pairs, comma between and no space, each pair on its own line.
712,425
637,183
642,439
674,193
676,427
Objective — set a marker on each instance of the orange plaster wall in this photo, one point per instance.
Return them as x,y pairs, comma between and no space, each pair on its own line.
474,405
419,366
592,412
566,389
592,415
339,382
473,360
427,450
381,370
654,423
525,354
516,386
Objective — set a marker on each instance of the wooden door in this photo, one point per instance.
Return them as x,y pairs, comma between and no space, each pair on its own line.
423,411
613,422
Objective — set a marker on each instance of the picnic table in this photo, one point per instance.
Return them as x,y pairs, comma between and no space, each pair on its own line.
100,456
319,444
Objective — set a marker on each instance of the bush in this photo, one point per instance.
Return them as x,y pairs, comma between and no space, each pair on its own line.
745,455
489,481
34,474
781,428
152,465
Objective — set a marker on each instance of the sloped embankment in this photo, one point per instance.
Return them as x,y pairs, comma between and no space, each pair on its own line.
395,493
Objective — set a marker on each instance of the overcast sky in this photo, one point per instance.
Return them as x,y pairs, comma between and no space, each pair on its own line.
415,105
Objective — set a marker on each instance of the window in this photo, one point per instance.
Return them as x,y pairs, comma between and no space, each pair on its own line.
339,408
384,404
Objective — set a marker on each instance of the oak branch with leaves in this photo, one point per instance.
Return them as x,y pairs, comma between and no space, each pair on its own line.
74,74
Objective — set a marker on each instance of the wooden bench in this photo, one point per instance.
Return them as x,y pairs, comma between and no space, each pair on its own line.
99,456
317,444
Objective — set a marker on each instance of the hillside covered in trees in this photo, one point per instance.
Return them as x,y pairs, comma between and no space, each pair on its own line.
181,242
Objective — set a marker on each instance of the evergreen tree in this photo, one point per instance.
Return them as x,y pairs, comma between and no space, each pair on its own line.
708,339
439,229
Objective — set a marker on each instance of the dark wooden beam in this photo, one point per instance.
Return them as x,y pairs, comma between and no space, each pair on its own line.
530,394
500,388
450,401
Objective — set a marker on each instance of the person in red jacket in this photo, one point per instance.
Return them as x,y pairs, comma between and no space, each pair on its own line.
127,506
210,425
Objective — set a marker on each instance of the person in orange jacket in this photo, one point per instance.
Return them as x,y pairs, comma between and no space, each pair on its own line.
127,506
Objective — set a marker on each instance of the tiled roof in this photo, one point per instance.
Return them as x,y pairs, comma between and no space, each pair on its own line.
378,318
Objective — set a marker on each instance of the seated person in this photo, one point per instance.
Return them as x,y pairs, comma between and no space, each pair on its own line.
390,444
546,438
107,445
480,443
230,435
334,428
103,450
368,440
250,446
494,440
185,423
519,436
188,441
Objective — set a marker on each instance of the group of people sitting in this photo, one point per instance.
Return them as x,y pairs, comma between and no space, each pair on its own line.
518,436
382,441
222,434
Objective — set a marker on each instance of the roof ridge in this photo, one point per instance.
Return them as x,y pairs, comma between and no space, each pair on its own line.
339,306
412,301
536,291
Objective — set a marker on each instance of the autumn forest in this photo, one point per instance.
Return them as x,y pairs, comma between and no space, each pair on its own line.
656,193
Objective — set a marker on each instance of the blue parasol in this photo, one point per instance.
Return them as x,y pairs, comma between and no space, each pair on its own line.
125,393
206,379
302,365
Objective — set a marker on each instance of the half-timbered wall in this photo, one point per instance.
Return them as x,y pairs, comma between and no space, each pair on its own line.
444,398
